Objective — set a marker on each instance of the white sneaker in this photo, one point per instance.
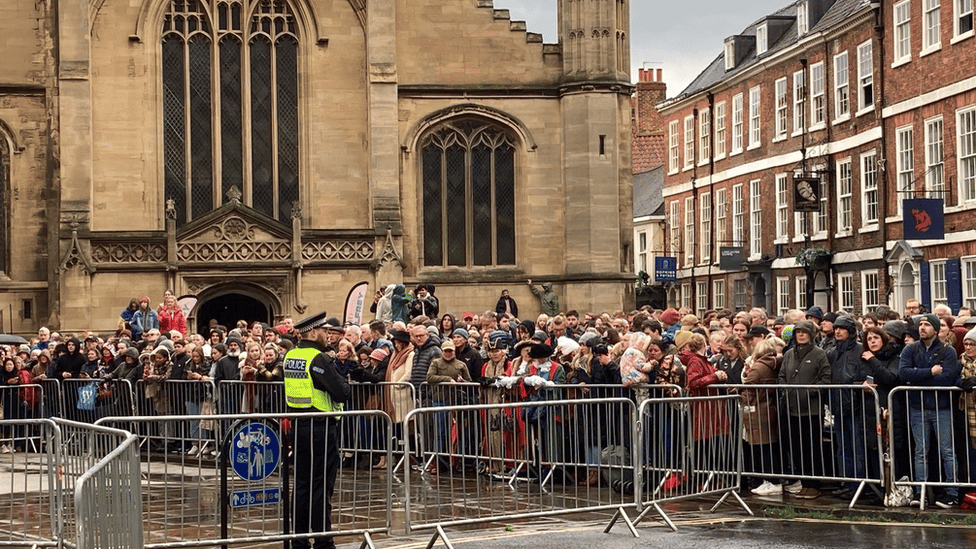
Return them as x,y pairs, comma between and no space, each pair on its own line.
794,488
193,451
768,489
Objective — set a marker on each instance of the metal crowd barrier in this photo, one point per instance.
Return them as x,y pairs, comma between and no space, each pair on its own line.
87,400
689,447
245,496
107,493
810,434
934,429
528,459
76,490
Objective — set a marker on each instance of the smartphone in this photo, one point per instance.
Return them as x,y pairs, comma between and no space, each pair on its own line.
869,379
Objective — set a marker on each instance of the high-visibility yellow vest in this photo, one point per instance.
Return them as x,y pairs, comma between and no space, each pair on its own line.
299,390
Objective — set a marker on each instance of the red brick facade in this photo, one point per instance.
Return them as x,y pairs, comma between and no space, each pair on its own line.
854,150
648,128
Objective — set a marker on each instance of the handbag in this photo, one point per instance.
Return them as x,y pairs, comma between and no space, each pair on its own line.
86,396
106,391
206,409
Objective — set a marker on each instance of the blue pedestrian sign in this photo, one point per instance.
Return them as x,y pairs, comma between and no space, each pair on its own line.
255,497
255,451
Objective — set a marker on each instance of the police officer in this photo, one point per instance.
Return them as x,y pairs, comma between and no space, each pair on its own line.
313,384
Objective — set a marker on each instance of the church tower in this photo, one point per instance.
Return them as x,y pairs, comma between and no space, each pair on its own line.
595,100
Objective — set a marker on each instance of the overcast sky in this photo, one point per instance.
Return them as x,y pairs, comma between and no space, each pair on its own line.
680,37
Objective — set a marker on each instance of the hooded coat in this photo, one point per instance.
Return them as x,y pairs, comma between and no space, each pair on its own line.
398,304
384,307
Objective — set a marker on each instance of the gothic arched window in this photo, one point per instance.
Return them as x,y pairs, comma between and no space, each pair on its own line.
230,105
468,195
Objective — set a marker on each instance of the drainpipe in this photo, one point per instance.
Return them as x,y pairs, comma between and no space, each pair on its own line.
883,182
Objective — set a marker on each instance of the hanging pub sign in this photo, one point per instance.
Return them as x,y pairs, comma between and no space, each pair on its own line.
665,269
806,194
924,218
730,258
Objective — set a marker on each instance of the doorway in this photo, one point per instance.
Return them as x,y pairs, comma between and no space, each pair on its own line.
228,308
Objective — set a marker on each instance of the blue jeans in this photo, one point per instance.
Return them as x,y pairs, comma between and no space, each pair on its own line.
924,422
849,424
442,429
193,409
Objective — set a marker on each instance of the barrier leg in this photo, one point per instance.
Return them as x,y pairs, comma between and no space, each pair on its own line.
621,514
367,541
440,533
742,503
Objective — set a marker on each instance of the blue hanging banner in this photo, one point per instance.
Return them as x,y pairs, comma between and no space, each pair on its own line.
665,269
924,218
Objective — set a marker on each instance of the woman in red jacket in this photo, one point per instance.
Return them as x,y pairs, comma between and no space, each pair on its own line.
171,316
709,418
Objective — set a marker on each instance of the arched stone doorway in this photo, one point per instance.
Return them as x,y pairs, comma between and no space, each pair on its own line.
230,304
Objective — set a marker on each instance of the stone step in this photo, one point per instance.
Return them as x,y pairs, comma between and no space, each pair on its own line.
501,14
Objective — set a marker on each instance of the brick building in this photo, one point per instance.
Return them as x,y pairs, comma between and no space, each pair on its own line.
806,107
263,156
648,160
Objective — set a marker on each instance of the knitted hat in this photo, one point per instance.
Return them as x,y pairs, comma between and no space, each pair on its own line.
461,332
590,339
681,338
816,312
379,354
669,317
931,319
498,340
970,335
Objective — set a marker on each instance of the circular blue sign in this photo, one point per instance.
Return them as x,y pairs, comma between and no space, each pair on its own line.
255,451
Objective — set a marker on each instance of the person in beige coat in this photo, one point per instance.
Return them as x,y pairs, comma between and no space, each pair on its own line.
760,424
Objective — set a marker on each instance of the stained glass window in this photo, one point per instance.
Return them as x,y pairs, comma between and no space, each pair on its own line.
469,195
230,105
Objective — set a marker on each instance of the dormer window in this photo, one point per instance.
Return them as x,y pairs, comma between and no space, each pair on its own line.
762,39
802,19
729,55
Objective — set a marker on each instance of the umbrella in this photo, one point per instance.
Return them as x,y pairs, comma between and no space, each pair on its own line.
11,339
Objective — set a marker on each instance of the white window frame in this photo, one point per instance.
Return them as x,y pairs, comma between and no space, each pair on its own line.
801,293
966,153
802,19
642,251
736,124
783,289
705,220
762,39
704,133
869,191
901,15
755,219
968,268
755,118
937,279
782,110
738,216
818,96
820,218
962,12
686,295
931,26
721,218
674,152
729,54
934,158
845,195
870,294
675,225
701,298
865,77
905,158
720,130
845,282
799,103
842,89
689,231
782,208
689,142
718,294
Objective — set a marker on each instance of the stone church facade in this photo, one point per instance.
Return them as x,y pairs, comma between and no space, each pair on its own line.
277,152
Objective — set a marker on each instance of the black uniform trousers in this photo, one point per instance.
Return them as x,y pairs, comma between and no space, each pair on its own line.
316,465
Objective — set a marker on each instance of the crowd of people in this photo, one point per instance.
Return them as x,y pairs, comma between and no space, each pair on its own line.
413,342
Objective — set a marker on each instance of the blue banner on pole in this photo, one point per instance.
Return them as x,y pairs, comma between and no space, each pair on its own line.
665,269
924,218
